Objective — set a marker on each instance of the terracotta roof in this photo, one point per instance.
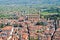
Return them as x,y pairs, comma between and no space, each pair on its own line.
21,18
7,28
58,29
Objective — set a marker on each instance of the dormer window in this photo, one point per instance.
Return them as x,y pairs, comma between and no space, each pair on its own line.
7,24
0,30
26,18
20,20
20,25
4,34
15,25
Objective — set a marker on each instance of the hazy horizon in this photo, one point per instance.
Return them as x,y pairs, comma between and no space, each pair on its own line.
29,2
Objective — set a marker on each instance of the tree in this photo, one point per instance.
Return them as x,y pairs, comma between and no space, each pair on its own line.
1,25
41,23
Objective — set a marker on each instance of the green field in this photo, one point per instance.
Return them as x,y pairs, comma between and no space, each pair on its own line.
5,11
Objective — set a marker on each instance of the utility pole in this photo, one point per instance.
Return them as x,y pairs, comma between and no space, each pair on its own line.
20,37
28,32
39,36
55,24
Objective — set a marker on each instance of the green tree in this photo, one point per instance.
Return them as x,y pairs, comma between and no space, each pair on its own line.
1,25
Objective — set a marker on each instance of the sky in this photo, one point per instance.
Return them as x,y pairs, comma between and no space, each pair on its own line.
6,2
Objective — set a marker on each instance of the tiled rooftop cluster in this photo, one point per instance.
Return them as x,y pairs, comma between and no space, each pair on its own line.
25,28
